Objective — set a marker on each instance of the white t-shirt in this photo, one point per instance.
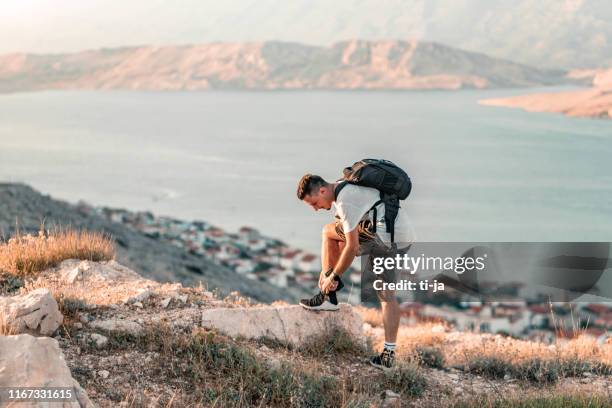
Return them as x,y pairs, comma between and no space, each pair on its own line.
353,204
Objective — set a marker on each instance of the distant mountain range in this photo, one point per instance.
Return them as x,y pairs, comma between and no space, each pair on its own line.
545,33
272,65
566,34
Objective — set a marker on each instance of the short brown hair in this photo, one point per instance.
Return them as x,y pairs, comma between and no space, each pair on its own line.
309,183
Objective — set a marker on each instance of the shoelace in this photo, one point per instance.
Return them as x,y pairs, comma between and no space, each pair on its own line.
387,355
318,299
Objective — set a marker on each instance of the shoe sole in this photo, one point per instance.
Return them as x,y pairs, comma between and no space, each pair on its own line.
380,367
324,309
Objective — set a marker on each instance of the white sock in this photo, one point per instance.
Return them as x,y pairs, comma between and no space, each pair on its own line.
389,346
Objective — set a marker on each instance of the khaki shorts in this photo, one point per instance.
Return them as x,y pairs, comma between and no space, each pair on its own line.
370,247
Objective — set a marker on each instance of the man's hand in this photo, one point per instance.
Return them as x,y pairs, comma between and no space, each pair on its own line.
329,284
321,279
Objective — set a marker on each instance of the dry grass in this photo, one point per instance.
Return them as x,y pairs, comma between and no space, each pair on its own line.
334,340
6,329
25,255
557,401
468,346
495,356
370,315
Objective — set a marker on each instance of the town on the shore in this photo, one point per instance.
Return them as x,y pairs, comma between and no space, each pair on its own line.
256,256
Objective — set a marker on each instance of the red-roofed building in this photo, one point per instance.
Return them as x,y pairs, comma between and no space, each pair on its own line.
248,233
309,263
604,321
597,309
290,259
539,316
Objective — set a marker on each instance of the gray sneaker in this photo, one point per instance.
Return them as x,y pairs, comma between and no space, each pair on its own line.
320,302
384,361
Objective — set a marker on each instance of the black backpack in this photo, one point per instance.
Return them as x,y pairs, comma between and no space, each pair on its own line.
392,182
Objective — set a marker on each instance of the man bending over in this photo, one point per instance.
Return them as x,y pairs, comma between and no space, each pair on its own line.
352,234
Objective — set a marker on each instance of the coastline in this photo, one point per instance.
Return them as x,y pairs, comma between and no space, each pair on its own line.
594,102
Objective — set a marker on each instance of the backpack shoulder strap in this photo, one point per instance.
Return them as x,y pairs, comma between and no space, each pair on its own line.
339,188
375,214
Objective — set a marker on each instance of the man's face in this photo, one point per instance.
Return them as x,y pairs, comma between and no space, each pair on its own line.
319,200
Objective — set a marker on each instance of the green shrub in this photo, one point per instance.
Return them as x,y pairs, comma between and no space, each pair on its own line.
9,284
406,379
490,367
332,341
198,359
430,357
538,371
70,306
575,367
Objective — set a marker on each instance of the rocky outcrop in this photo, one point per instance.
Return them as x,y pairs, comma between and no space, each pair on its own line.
352,64
27,361
106,283
289,324
595,102
100,283
35,312
73,271
118,326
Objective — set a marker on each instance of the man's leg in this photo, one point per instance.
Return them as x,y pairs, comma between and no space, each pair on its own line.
391,316
331,248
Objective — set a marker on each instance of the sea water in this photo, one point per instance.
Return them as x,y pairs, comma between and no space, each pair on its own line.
480,173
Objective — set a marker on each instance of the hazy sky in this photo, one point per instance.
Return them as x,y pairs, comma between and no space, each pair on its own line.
549,32
71,25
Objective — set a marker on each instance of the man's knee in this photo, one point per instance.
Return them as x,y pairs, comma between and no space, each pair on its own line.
328,231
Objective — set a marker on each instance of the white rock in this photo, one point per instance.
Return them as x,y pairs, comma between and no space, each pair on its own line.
103,373
78,325
98,339
274,363
138,305
28,361
391,394
390,399
182,298
141,295
292,324
74,270
164,303
37,311
119,326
